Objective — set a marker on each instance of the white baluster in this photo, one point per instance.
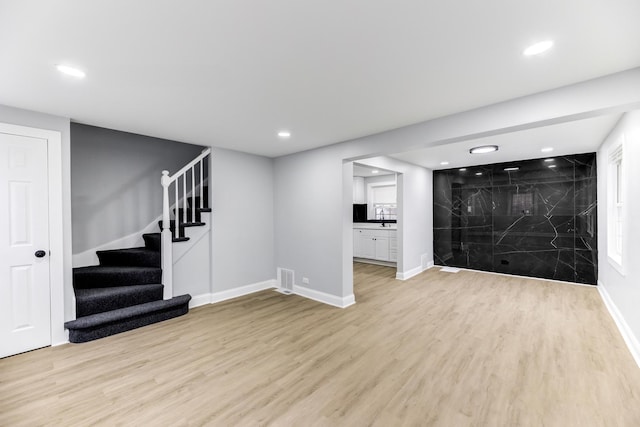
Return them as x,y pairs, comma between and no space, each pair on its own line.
184,197
193,195
201,185
175,203
166,243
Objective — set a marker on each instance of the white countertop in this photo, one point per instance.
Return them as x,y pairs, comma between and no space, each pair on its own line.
374,226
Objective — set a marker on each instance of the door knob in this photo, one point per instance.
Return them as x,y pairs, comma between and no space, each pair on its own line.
40,254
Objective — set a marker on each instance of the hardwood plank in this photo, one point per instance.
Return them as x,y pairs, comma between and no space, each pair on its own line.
440,349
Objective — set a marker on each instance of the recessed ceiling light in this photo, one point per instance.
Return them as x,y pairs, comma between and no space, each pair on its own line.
462,169
547,149
538,48
552,166
375,171
512,169
549,160
284,134
478,173
444,163
484,149
71,71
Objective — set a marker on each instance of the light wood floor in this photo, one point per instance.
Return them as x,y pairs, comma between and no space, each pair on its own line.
441,349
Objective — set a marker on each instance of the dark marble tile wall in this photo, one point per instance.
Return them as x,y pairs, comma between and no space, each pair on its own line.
538,221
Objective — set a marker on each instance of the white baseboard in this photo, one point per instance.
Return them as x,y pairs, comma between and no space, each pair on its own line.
627,334
212,298
406,275
243,290
340,302
198,300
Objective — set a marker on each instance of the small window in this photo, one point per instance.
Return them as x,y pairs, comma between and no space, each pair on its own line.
385,211
615,201
382,202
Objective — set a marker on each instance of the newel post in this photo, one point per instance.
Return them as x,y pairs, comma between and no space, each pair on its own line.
167,239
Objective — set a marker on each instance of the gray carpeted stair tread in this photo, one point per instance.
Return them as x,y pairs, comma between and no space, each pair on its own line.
101,325
110,276
152,241
98,300
127,312
142,257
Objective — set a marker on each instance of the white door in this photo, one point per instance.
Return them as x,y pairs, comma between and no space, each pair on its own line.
24,245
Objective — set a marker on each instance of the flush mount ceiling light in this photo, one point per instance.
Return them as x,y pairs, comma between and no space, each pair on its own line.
552,166
71,71
478,173
483,149
538,48
462,169
549,160
375,171
547,149
284,134
512,169
444,163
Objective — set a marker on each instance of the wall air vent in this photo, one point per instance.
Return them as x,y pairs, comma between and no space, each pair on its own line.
285,280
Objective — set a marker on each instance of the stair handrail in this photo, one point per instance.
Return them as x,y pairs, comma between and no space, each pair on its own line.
189,165
167,235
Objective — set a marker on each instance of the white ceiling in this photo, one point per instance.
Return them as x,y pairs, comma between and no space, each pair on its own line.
232,73
367,171
581,136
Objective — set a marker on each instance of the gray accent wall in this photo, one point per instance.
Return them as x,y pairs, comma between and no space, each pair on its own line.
115,181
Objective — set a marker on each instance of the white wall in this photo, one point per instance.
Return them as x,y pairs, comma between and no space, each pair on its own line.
308,217
21,117
192,272
310,222
622,289
242,234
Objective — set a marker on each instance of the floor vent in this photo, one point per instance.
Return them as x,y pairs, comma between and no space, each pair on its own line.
450,269
285,279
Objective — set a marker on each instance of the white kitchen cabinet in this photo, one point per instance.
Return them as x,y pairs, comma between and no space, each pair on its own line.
393,248
374,244
367,244
358,189
382,248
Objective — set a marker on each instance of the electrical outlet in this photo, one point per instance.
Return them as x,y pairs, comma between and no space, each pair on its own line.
305,280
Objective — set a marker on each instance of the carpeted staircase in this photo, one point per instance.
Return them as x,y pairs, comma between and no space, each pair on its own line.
125,291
